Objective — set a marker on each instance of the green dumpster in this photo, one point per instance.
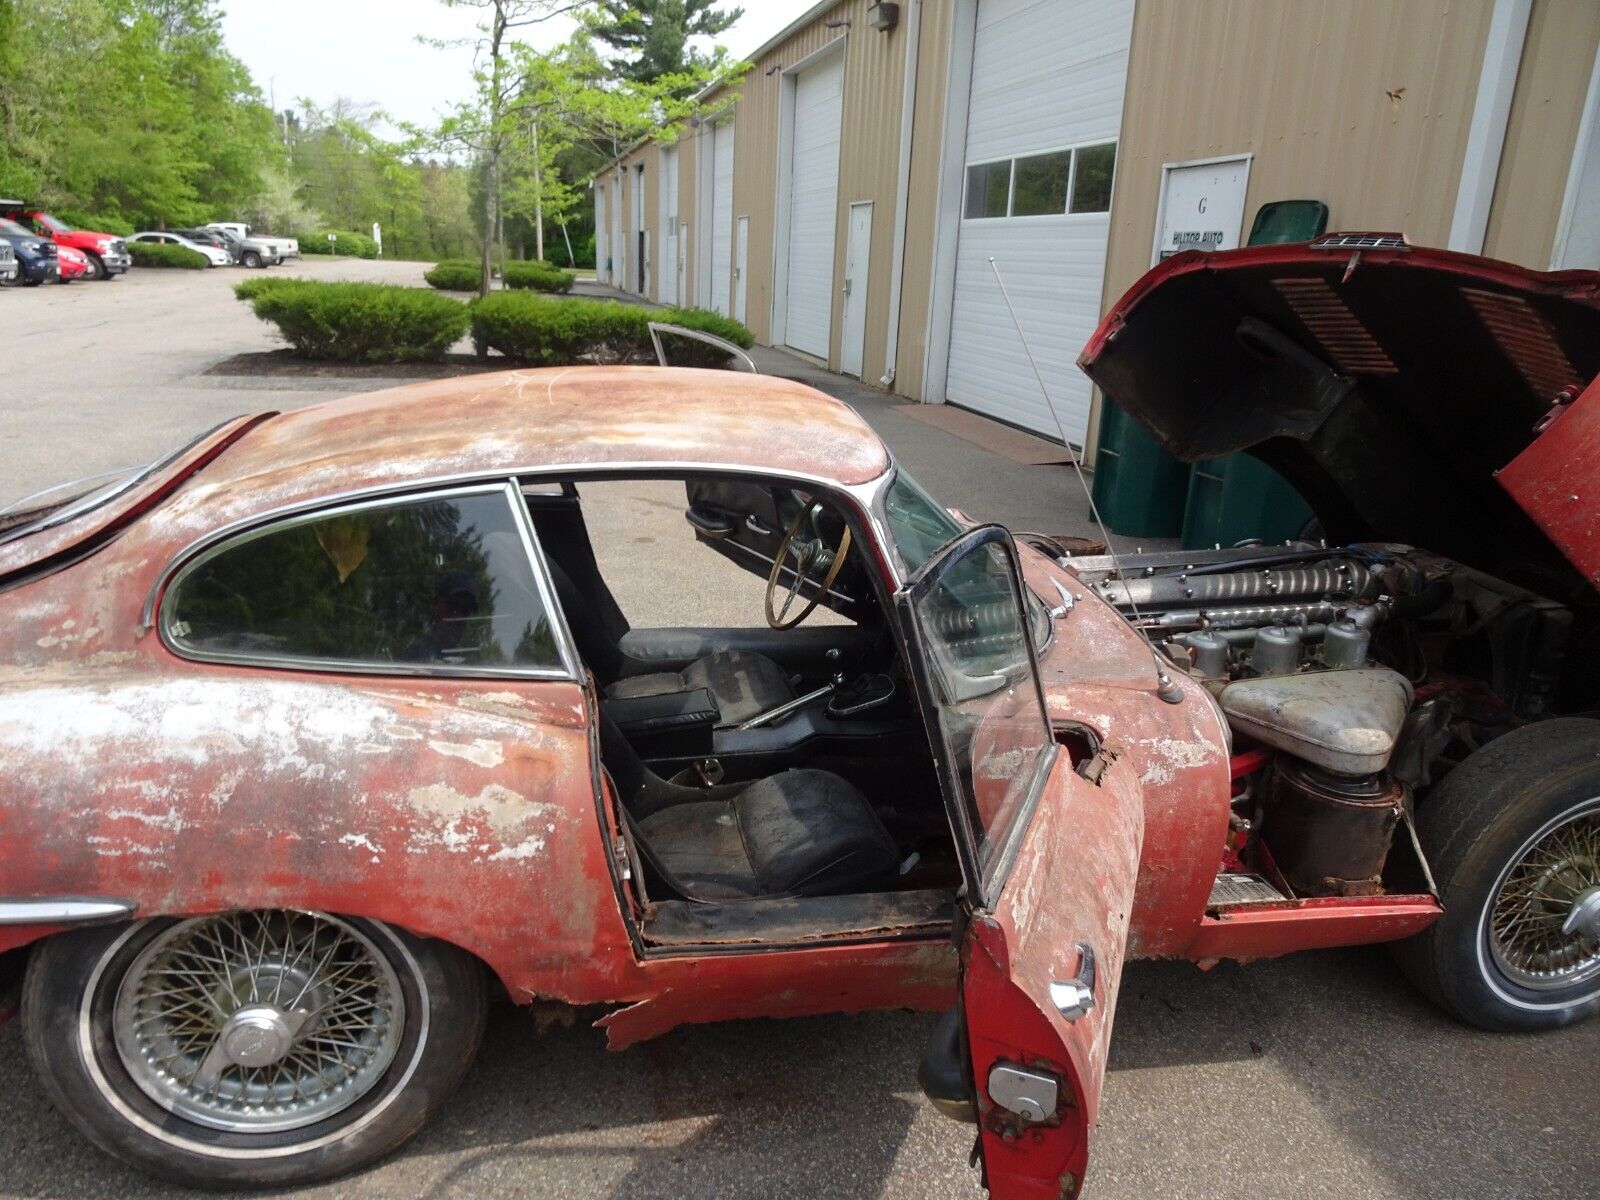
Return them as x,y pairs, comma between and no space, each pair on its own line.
1238,497
1139,488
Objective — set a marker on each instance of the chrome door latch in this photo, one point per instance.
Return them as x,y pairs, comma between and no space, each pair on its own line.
1074,999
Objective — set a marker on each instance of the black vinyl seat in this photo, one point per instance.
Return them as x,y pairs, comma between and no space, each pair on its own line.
743,683
800,833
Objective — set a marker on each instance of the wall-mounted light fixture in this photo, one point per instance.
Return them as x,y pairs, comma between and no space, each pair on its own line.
836,24
774,67
883,16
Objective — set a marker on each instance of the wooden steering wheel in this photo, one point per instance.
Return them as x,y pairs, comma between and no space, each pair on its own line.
809,554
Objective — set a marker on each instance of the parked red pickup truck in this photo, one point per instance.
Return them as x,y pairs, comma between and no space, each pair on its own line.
107,253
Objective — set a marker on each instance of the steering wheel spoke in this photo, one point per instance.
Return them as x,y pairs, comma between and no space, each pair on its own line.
808,554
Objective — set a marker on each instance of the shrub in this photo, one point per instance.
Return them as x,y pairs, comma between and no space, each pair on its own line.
361,322
249,289
538,277
157,254
538,329
356,245
455,275
94,224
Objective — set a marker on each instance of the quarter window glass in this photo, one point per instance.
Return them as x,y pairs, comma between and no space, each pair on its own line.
988,189
443,583
1091,182
985,691
1041,184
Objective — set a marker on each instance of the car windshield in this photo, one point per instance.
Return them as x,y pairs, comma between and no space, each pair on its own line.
919,525
64,502
9,228
53,224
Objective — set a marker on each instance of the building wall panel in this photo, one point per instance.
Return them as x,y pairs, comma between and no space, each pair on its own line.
1552,84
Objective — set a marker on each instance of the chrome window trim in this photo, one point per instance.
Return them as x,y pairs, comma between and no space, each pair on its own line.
565,645
866,496
231,539
62,910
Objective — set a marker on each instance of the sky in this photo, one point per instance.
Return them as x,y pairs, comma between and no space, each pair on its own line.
367,50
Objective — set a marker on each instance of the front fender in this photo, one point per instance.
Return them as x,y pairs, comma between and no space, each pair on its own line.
460,810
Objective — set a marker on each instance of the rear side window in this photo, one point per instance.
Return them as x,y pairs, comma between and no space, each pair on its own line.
446,584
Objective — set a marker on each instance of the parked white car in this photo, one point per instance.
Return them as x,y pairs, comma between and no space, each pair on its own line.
8,263
286,247
215,255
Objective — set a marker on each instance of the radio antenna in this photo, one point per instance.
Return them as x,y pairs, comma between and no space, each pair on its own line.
1167,691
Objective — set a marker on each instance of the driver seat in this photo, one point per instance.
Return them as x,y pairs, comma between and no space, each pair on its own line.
743,684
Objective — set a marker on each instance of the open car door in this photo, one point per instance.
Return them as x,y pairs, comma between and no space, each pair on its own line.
1049,835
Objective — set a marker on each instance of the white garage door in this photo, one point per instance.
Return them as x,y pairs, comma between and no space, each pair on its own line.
813,205
721,216
1047,84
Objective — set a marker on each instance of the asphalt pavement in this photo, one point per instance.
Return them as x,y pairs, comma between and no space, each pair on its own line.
1321,1075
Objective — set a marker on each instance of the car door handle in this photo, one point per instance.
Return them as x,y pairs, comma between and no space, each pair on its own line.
1075,999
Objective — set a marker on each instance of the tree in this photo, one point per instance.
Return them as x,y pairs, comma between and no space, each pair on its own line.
486,125
652,36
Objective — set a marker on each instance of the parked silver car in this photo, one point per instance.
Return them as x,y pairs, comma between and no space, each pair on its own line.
248,251
8,263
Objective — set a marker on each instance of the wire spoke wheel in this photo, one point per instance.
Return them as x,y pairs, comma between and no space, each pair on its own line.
258,1022
1544,918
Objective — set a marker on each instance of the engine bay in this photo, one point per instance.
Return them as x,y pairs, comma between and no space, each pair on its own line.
1352,679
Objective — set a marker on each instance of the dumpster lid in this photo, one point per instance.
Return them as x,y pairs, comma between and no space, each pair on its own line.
1388,383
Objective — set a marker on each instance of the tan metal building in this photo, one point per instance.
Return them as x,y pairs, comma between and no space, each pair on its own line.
849,217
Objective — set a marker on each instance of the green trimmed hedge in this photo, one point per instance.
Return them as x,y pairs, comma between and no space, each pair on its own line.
351,243
158,254
249,289
94,224
462,275
538,329
455,275
360,322
538,277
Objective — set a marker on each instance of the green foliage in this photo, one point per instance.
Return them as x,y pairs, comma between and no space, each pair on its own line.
157,254
455,275
350,243
130,107
652,36
538,329
362,322
95,224
538,277
249,289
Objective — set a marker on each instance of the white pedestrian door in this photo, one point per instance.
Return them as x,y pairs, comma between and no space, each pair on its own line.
858,248
602,239
619,251
721,215
1046,106
741,267
813,206
667,276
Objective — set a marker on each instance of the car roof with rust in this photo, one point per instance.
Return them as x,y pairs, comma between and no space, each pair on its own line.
531,422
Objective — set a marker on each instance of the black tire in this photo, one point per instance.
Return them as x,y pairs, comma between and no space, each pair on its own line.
97,266
252,259
67,1023
1481,820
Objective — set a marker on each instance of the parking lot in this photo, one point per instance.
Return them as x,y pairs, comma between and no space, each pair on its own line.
1320,1075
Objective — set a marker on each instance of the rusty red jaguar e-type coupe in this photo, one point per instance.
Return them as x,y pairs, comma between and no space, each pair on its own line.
325,726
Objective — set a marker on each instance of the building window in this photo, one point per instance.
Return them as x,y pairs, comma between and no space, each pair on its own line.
1091,178
988,189
1042,184
443,583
